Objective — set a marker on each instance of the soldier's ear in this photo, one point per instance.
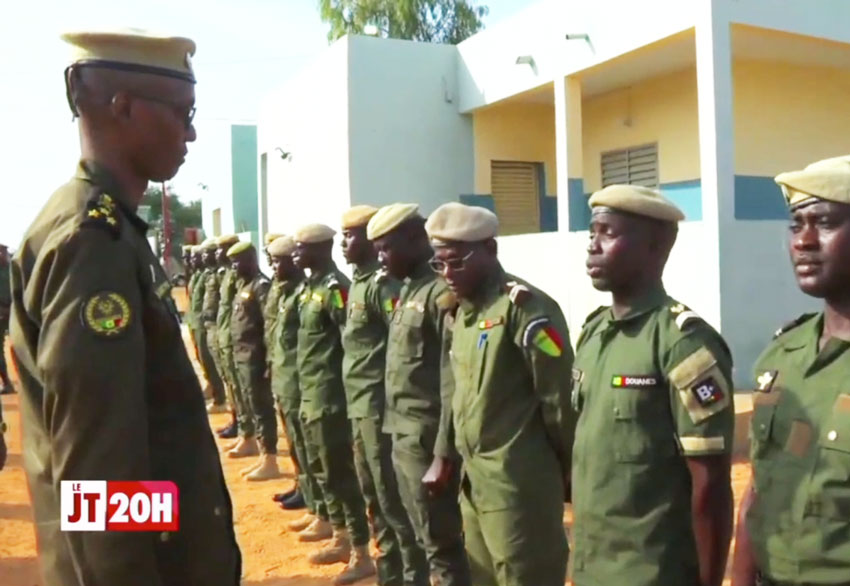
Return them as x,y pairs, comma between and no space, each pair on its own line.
491,247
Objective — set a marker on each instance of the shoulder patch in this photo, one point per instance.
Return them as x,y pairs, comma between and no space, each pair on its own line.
106,314
539,334
446,300
339,297
517,293
793,324
101,212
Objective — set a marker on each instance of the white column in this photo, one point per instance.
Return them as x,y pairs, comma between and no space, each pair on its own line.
568,146
716,139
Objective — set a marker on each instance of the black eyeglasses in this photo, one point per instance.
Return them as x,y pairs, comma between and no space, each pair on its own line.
187,116
455,264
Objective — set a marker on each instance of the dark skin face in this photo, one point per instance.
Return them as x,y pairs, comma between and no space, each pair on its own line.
221,257
356,248
312,256
245,264
209,258
820,249
197,261
466,266
284,268
402,249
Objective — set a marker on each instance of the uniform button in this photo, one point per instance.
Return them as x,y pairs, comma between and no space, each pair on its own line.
164,536
616,410
218,511
762,427
832,435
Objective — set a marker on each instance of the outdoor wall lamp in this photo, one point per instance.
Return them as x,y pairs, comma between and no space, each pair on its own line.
285,155
525,60
581,37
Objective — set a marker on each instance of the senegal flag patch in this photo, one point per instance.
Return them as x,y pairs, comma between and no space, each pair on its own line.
389,304
542,335
339,297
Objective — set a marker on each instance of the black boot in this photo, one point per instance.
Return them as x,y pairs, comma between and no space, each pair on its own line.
282,496
228,432
293,503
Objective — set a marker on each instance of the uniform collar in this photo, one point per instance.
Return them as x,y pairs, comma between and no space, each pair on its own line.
421,271
96,174
361,273
319,274
804,344
650,301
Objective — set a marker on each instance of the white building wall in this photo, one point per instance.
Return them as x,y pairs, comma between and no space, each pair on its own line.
217,179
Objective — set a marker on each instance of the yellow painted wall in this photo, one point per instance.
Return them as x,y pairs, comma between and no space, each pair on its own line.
661,109
787,116
514,132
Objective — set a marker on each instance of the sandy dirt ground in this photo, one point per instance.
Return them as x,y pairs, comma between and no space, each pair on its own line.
272,556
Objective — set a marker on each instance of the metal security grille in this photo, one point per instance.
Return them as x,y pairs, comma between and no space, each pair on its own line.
516,190
633,166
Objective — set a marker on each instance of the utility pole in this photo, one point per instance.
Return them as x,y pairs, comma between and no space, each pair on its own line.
166,229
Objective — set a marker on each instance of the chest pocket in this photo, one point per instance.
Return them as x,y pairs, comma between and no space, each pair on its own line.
409,337
312,316
762,425
643,423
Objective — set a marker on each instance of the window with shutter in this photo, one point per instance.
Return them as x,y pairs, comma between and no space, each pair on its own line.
632,166
516,189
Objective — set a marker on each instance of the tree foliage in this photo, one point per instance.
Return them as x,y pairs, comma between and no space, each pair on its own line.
433,21
183,215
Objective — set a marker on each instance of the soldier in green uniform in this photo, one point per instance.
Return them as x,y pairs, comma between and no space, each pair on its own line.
327,432
419,388
794,523
107,389
284,377
651,490
212,281
249,353
5,309
371,303
513,422
246,444
270,309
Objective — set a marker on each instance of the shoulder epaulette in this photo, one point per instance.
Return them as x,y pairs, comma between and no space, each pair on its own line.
683,315
593,314
793,324
101,212
381,275
446,300
331,281
221,270
517,292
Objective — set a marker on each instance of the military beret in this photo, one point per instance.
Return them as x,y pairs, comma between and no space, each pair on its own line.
358,216
133,50
270,237
196,249
456,222
209,244
828,179
187,248
283,246
638,200
227,240
390,217
312,233
239,248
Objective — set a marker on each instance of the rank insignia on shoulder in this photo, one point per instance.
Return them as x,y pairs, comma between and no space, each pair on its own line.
416,305
316,297
683,315
517,293
793,324
106,314
540,334
101,213
766,379
381,275
488,324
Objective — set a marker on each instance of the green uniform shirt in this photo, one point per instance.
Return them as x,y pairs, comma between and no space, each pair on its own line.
513,421
270,310
799,522
322,301
246,323
197,300
226,294
371,302
285,348
212,284
191,316
109,393
652,388
419,380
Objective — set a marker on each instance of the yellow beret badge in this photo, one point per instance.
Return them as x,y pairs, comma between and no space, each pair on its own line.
106,313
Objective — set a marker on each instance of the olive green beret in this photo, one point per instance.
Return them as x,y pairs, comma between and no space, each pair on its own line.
133,50
641,201
390,217
196,249
270,237
239,248
312,233
456,222
209,244
227,240
828,179
283,246
358,216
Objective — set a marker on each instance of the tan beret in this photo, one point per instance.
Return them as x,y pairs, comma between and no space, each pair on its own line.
358,216
456,222
270,237
312,233
283,246
209,244
390,217
227,240
641,201
187,248
828,179
239,248
133,50
196,249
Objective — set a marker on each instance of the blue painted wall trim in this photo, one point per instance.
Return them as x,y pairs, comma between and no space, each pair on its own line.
579,211
758,198
483,201
548,208
687,195
243,151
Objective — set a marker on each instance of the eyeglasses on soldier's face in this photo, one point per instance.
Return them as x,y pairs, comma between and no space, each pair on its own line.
456,265
185,114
